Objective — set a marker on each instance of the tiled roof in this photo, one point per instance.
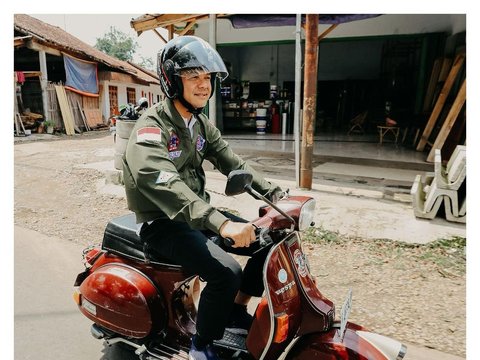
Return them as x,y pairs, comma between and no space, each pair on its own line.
55,37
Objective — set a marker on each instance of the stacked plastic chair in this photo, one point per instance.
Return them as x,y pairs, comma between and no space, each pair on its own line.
446,185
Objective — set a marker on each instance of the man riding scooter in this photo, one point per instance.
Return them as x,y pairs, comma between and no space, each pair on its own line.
165,187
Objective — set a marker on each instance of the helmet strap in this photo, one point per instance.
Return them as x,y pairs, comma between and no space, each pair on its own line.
190,108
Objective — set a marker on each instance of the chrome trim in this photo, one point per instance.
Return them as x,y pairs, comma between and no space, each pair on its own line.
402,352
289,347
96,332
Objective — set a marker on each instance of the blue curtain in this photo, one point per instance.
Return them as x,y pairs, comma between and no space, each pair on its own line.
81,75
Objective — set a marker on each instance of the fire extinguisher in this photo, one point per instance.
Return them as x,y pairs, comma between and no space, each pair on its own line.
275,114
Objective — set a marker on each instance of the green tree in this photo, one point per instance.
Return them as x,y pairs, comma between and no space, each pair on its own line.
147,63
117,44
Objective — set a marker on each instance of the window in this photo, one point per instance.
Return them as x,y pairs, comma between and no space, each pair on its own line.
113,96
131,97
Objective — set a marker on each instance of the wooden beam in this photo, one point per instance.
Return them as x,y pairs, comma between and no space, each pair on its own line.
160,35
442,97
164,20
326,32
187,27
449,121
39,47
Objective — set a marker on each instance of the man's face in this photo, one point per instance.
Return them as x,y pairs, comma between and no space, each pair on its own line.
196,87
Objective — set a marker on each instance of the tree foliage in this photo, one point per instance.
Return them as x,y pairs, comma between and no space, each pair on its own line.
117,44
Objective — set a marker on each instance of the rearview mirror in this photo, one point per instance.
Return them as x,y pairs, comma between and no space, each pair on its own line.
237,181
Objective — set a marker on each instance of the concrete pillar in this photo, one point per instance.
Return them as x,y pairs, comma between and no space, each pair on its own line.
43,82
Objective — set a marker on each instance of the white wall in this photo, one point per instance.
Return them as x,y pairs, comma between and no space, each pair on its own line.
150,92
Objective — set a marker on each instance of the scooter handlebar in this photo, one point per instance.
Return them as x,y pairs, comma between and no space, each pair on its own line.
261,235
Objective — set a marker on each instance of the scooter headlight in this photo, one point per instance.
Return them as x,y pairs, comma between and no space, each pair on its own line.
306,214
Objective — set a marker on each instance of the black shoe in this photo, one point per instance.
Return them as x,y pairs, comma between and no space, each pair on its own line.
240,320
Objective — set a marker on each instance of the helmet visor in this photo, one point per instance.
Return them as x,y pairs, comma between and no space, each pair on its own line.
199,56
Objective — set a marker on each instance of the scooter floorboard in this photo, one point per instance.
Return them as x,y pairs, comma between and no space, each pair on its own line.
165,352
232,341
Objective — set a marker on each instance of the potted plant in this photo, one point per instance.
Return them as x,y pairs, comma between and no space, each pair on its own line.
49,125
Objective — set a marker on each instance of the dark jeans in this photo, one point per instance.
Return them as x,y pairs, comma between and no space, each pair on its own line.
198,254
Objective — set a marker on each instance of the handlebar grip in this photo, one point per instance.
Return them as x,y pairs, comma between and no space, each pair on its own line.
228,242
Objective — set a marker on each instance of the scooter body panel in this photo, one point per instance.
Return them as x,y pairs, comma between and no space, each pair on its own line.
171,309
282,301
122,299
292,293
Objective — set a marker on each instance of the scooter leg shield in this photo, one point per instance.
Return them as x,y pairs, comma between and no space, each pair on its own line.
357,343
122,300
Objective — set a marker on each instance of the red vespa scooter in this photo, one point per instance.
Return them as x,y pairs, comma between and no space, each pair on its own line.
135,297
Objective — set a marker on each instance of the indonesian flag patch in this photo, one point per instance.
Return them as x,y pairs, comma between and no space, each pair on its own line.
149,135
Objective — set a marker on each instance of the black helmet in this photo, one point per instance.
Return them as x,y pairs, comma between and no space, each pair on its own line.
187,52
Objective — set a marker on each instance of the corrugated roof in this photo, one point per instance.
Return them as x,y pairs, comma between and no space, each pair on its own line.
57,38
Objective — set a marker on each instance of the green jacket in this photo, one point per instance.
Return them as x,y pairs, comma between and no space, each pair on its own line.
162,168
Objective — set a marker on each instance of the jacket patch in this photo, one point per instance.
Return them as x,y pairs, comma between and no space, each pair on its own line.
164,177
200,143
149,134
173,143
174,154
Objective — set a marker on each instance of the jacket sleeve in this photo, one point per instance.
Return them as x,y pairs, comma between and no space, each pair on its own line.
225,160
157,179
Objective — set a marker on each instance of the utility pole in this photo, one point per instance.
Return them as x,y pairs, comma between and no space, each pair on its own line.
309,100
298,82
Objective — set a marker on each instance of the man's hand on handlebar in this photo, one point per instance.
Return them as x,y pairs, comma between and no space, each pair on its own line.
276,194
243,234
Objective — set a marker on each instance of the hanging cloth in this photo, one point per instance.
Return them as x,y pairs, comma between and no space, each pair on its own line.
81,76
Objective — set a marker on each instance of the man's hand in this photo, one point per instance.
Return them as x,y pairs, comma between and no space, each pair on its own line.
243,234
276,194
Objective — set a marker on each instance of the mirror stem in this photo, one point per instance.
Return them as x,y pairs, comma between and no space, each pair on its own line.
259,196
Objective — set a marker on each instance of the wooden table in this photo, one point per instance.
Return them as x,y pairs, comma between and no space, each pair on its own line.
384,130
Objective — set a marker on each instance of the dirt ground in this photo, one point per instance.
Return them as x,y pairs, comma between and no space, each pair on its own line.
416,294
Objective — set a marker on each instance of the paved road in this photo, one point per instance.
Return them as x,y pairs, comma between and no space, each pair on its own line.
48,325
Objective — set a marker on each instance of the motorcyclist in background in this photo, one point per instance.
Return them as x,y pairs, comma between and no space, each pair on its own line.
142,105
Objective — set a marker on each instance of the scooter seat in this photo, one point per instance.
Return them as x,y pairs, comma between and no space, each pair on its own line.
120,237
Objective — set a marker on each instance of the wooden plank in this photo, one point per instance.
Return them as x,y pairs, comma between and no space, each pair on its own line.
67,115
94,117
446,66
18,121
83,116
427,102
442,97
449,121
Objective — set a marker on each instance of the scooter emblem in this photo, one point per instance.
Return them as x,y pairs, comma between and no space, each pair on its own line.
301,263
282,276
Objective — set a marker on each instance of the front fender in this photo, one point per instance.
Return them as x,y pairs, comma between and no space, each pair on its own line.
357,343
